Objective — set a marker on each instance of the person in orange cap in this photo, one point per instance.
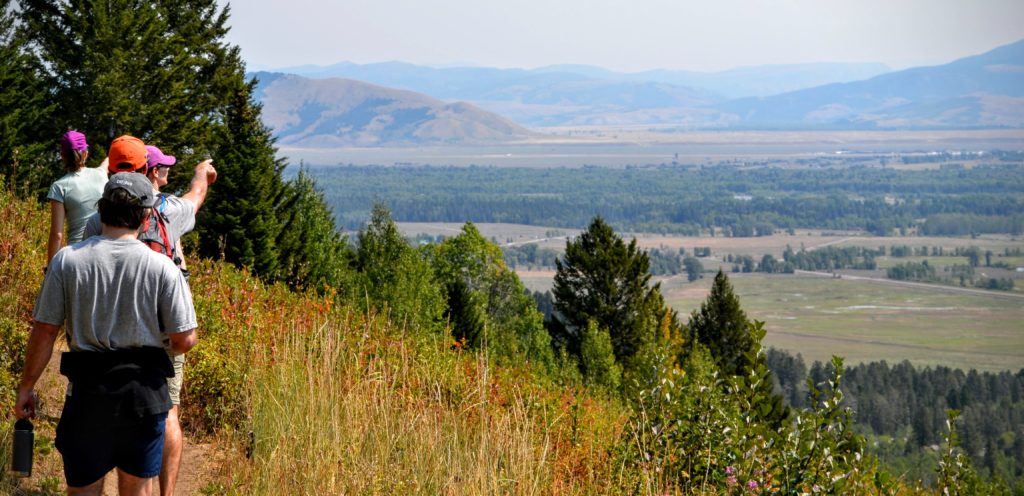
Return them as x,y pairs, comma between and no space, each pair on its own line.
171,218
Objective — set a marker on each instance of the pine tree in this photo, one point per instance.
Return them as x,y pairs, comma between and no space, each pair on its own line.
240,221
26,159
734,342
603,279
157,70
164,72
313,253
723,328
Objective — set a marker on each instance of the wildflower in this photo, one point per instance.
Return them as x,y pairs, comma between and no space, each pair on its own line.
729,470
752,484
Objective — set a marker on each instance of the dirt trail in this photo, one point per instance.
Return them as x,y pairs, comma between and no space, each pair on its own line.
199,464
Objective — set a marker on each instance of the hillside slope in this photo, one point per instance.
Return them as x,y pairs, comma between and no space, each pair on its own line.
985,90
323,113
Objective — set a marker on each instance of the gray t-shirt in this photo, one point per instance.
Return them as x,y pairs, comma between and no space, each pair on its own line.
180,214
78,191
114,294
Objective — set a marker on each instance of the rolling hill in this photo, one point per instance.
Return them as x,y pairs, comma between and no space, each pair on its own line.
326,113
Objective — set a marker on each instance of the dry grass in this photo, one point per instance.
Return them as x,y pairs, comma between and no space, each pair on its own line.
353,408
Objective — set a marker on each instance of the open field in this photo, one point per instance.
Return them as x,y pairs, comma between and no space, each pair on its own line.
867,321
644,145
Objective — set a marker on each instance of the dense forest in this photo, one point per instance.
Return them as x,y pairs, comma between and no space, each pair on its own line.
737,199
903,408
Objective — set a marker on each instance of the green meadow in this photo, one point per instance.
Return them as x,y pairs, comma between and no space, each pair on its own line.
865,321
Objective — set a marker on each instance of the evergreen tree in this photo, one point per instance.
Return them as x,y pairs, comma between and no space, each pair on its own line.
240,221
722,327
164,72
157,70
26,159
313,253
735,344
603,279
465,314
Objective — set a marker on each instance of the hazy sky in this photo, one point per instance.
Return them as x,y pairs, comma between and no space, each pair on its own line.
628,35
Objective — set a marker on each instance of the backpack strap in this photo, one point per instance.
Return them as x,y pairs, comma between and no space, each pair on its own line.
165,240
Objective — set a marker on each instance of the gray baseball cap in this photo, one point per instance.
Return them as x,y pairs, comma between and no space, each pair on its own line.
137,185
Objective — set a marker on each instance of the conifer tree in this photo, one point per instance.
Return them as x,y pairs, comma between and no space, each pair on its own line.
723,328
240,221
157,70
734,342
313,253
603,279
164,72
25,115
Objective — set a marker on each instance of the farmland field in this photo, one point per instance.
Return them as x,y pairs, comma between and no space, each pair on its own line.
816,316
867,321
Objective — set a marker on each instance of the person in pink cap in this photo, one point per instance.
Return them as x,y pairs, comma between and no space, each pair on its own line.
73,197
169,207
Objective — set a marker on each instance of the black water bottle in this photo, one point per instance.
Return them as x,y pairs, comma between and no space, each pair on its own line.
24,438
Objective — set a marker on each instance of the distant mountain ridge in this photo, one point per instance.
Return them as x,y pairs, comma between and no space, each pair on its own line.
325,113
982,91
485,83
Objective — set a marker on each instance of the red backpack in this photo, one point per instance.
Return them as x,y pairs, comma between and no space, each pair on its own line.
154,232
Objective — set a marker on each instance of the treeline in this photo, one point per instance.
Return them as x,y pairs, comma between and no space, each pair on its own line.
904,409
828,258
735,200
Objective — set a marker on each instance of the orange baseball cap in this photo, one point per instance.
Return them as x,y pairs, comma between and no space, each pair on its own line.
127,154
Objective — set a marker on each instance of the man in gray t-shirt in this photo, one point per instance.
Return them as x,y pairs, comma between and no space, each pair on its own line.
179,215
116,299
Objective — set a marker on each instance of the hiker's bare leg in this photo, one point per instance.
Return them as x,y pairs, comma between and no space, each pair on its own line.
94,489
130,485
172,453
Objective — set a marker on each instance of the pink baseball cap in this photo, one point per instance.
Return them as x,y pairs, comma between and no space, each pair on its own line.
73,141
157,157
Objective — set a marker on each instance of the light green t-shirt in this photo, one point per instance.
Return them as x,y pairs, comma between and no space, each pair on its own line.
78,191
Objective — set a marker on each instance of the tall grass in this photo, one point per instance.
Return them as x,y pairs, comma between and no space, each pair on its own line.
354,407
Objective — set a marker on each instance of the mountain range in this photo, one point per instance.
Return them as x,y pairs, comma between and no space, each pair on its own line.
380,104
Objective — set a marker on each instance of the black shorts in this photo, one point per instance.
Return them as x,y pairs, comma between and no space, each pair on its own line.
92,442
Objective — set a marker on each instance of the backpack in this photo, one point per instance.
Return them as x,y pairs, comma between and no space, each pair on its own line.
155,234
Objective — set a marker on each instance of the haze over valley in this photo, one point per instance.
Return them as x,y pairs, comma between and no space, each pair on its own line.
404,104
